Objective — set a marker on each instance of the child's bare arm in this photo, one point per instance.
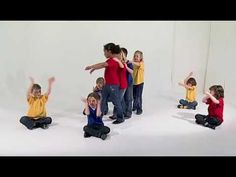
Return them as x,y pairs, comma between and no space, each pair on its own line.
187,78
86,108
128,69
50,81
99,113
96,67
119,62
184,85
204,100
136,63
213,99
30,87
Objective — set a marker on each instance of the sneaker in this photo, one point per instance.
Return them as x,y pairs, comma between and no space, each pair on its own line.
103,136
134,109
113,117
127,116
139,112
118,121
210,126
44,126
86,135
182,107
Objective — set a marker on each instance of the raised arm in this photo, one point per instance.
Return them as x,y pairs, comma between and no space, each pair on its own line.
99,113
96,66
213,99
187,78
204,100
50,81
184,85
30,87
86,107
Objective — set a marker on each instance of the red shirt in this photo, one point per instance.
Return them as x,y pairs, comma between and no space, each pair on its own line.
123,78
111,72
216,110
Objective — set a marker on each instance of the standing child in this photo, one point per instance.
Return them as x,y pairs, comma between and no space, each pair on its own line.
111,88
190,86
128,97
215,100
100,82
138,81
123,84
95,126
37,116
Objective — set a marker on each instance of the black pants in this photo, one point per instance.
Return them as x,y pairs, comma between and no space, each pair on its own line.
202,119
96,130
35,123
137,94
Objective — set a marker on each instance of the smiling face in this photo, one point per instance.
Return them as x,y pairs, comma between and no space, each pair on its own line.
137,57
36,93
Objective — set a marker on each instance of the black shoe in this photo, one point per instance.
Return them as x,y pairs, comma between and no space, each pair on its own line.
139,112
118,121
103,136
113,117
197,122
134,109
210,126
127,116
86,135
44,126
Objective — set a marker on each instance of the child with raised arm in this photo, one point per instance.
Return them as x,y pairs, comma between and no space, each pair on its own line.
111,88
37,115
215,100
95,126
190,86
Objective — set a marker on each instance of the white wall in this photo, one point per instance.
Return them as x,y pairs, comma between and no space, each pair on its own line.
222,59
63,49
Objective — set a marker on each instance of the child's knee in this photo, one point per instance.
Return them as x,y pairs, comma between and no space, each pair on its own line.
48,120
23,119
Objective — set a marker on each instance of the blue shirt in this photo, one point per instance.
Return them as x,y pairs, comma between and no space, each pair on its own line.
129,76
93,119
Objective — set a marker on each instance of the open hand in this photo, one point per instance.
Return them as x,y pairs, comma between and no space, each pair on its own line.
51,79
88,67
84,100
190,74
91,71
31,79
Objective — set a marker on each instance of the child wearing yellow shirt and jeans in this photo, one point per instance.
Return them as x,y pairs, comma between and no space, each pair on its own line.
37,116
190,101
138,81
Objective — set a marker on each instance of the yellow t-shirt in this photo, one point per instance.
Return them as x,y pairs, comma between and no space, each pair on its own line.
37,107
138,74
191,94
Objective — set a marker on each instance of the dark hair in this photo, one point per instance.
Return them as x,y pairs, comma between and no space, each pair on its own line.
114,49
124,50
191,81
36,86
219,91
100,79
94,95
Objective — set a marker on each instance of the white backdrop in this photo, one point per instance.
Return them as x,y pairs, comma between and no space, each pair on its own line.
63,49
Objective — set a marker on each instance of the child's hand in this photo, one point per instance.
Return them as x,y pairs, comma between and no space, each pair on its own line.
207,93
84,100
180,83
91,71
88,67
31,79
51,79
190,74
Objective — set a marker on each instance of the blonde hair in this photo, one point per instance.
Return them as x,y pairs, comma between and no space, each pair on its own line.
140,53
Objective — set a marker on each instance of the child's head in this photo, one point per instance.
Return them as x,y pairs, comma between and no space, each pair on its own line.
191,82
217,91
111,49
100,82
125,51
138,56
36,90
93,99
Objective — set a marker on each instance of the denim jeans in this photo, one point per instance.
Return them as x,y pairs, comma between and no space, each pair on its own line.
137,93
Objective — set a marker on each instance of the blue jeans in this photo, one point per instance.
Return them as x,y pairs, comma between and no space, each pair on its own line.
128,98
112,92
137,93
190,105
35,123
121,95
